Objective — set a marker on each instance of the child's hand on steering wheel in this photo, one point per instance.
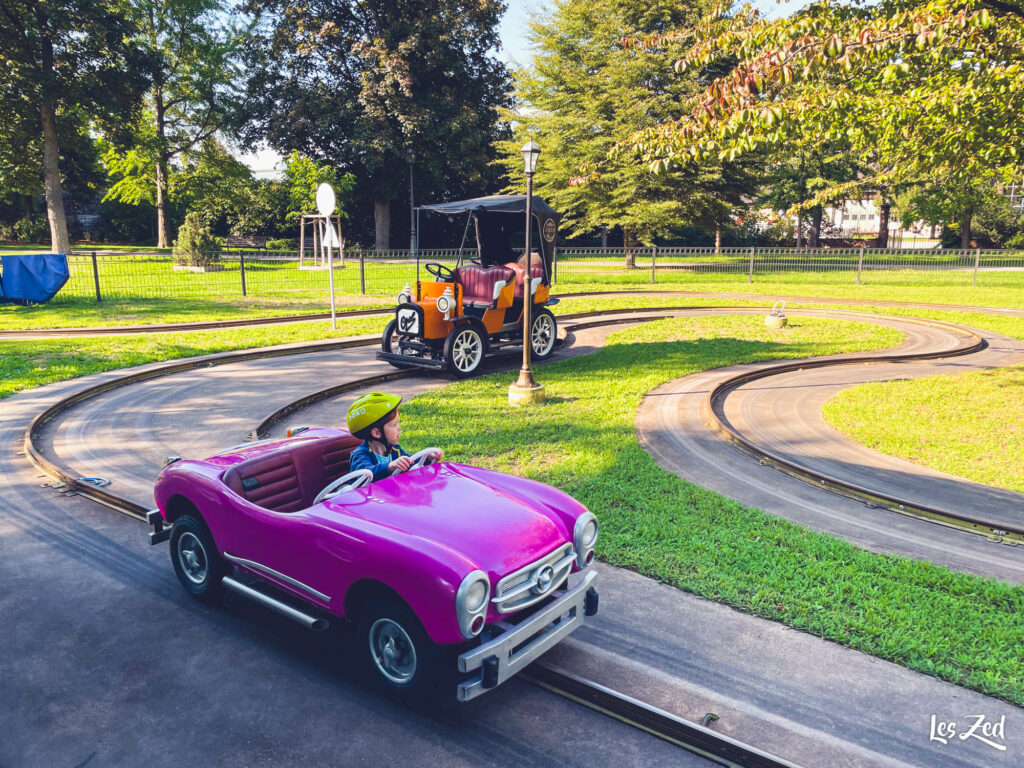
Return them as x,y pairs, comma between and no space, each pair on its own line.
401,464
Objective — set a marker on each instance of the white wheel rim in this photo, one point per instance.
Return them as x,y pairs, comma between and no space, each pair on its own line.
192,557
467,350
393,652
543,336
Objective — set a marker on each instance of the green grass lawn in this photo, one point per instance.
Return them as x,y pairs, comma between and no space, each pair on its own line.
958,627
970,425
27,364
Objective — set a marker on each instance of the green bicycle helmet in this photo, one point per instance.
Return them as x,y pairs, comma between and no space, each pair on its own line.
370,410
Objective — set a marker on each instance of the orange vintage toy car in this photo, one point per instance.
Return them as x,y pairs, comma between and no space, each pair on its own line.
452,323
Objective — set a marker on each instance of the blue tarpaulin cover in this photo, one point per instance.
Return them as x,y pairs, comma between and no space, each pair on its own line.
32,276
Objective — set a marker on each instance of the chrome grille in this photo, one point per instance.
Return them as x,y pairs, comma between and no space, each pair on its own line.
534,582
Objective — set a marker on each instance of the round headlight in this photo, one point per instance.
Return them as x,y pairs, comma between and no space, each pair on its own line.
589,534
404,298
584,536
476,596
444,304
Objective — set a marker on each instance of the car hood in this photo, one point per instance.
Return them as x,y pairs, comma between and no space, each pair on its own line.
463,509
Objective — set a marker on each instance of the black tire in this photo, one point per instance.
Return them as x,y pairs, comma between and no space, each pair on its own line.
544,334
415,667
465,350
196,560
387,342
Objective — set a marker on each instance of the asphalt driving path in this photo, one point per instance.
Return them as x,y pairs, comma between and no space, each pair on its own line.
106,662
107,657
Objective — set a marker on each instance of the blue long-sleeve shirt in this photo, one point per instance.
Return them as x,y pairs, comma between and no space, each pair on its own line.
363,458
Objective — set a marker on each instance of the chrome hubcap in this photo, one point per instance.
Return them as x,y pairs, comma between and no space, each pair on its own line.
392,650
192,557
543,335
467,351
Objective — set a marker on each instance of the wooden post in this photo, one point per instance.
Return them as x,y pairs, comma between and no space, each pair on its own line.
302,238
654,255
750,274
977,259
241,266
860,265
96,278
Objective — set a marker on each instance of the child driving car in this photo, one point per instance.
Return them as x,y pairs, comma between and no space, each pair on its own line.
374,418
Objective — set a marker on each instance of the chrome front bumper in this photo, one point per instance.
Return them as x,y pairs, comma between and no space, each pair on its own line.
499,659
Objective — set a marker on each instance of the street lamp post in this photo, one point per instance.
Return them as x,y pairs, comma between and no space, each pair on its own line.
526,389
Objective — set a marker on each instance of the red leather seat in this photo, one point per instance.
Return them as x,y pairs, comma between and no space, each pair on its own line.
289,478
536,270
478,283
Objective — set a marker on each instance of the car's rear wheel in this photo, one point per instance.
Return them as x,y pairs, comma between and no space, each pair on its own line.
543,333
387,341
398,652
197,563
464,350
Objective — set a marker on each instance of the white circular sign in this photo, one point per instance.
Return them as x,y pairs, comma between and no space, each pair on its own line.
325,200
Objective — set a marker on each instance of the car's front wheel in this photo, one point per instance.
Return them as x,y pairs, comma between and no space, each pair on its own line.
464,350
397,650
197,562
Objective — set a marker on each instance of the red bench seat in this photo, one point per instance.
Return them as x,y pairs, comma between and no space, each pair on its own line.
288,478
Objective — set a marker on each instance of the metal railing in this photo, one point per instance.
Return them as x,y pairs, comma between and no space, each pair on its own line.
279,277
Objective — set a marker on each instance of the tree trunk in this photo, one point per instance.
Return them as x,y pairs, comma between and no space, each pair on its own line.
799,228
814,236
965,227
604,237
382,222
718,238
882,241
163,239
630,243
59,241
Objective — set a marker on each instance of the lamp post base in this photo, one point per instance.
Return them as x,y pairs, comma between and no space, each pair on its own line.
519,394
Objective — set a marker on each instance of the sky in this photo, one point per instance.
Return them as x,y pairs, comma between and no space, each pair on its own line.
515,52
513,25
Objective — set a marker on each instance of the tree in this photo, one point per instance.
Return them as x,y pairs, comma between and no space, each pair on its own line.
585,93
58,56
193,93
379,87
206,178
924,89
798,173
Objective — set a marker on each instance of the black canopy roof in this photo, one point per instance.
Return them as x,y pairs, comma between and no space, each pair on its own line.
495,204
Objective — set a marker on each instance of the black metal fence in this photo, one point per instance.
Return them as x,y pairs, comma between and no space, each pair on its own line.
284,277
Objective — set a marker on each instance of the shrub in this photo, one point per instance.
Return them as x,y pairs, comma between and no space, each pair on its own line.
284,244
195,246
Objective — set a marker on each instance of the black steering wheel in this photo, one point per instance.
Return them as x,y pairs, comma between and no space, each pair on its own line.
440,271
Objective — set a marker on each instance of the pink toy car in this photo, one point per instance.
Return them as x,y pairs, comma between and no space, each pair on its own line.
443,568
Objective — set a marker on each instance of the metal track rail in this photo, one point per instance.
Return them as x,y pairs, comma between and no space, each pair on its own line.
691,736
714,405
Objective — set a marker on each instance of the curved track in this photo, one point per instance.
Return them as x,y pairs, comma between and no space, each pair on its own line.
125,432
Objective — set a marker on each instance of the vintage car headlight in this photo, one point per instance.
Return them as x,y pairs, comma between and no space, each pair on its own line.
443,304
471,603
584,537
404,298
